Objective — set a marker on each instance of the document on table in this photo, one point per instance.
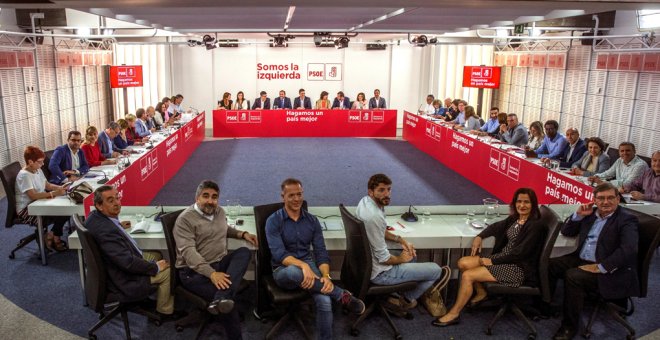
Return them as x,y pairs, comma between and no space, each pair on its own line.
147,226
332,225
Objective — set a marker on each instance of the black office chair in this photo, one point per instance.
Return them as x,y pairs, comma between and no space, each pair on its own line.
44,167
552,222
201,316
98,297
356,273
269,294
649,237
8,176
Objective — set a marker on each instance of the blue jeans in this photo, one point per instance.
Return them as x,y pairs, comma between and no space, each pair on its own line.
235,264
424,273
290,277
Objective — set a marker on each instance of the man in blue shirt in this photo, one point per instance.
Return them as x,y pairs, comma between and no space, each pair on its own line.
141,128
553,143
492,126
290,232
605,260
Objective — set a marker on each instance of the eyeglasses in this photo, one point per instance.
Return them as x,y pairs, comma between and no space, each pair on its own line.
606,198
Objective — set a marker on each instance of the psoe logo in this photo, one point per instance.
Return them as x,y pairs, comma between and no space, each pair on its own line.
494,161
354,117
365,116
232,117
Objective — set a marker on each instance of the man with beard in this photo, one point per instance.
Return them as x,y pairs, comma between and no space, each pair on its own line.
205,266
388,269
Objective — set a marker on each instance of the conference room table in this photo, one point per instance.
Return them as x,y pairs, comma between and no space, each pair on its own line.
151,166
304,123
440,229
496,167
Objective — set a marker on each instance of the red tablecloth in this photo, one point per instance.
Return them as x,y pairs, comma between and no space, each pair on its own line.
304,123
495,170
139,183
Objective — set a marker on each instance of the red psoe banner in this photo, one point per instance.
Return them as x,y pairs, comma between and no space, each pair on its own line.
486,77
304,123
125,76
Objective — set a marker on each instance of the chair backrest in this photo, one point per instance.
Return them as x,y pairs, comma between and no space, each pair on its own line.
551,222
44,167
649,237
263,258
356,269
168,220
96,275
8,176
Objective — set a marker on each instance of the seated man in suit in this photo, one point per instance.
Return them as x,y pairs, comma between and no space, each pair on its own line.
573,150
261,103
301,102
386,268
68,162
605,260
377,102
131,271
206,266
341,102
291,232
105,141
512,132
282,102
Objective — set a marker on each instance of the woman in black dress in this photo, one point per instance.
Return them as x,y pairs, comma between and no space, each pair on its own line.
518,242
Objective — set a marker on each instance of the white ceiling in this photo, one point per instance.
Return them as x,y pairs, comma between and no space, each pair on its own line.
427,16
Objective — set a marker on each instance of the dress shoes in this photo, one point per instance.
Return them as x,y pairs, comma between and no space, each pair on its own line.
452,322
223,306
564,334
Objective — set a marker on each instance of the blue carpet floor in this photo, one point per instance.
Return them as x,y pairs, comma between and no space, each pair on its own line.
333,171
251,170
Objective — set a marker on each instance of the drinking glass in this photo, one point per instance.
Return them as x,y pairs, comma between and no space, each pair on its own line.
426,215
470,213
233,207
554,165
491,206
139,218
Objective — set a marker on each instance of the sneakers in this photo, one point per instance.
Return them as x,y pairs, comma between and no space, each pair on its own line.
402,303
353,304
223,306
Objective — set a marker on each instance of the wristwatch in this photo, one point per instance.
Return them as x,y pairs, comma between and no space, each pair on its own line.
327,276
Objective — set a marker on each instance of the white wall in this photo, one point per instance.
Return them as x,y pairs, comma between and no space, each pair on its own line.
202,76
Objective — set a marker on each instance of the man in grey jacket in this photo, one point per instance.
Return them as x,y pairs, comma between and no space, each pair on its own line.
206,267
513,133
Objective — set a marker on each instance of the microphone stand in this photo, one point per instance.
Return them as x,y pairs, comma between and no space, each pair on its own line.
410,216
104,179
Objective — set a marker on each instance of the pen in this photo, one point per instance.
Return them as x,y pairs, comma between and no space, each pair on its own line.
402,226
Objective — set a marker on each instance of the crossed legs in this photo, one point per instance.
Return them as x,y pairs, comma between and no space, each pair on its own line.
472,276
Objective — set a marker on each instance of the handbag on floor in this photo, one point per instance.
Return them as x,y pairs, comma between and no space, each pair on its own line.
80,192
432,298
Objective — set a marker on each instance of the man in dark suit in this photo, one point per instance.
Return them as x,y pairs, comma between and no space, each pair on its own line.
68,162
105,141
131,272
282,102
377,102
605,260
341,102
573,150
302,102
261,103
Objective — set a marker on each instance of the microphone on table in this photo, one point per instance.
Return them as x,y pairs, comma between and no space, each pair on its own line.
410,216
151,145
104,179
159,214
